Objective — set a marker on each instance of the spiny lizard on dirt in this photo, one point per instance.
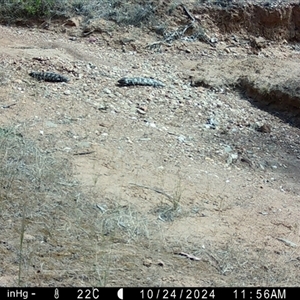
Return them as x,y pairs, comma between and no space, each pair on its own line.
48,76
140,81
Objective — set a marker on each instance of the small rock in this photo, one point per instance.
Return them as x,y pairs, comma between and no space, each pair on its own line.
67,92
227,149
92,39
144,108
181,138
28,237
258,43
234,156
161,263
73,22
140,111
213,40
147,262
107,91
265,128
212,123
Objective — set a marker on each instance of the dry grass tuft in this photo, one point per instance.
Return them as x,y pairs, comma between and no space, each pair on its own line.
50,231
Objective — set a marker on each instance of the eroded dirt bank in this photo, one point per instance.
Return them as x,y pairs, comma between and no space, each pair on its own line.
270,20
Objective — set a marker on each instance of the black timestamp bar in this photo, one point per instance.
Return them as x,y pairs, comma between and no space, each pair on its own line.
149,293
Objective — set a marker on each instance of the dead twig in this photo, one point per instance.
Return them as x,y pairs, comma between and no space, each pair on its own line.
8,105
88,32
290,227
287,242
84,153
190,256
188,13
153,189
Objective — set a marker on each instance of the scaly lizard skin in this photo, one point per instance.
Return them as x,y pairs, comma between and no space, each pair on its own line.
140,81
48,76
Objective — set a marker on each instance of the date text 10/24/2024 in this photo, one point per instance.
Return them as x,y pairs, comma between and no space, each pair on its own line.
211,293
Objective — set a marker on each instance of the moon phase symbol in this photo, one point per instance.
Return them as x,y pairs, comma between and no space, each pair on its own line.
120,294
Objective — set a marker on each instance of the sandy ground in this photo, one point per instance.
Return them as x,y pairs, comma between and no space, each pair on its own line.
186,189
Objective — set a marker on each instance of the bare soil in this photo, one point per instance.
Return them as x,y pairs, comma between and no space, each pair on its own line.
192,184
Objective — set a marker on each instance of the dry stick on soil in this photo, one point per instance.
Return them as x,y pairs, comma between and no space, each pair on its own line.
88,33
175,34
287,242
8,105
84,153
188,13
154,189
21,245
190,256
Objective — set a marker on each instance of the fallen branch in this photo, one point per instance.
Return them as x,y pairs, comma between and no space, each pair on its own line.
88,32
190,256
153,189
188,13
84,153
287,242
8,105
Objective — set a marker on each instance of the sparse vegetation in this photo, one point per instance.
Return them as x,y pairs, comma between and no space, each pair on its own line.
122,12
124,221
44,215
13,9
33,183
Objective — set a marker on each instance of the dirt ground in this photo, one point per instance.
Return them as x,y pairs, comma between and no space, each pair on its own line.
185,185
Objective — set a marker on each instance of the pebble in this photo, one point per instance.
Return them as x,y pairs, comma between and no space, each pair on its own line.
107,91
